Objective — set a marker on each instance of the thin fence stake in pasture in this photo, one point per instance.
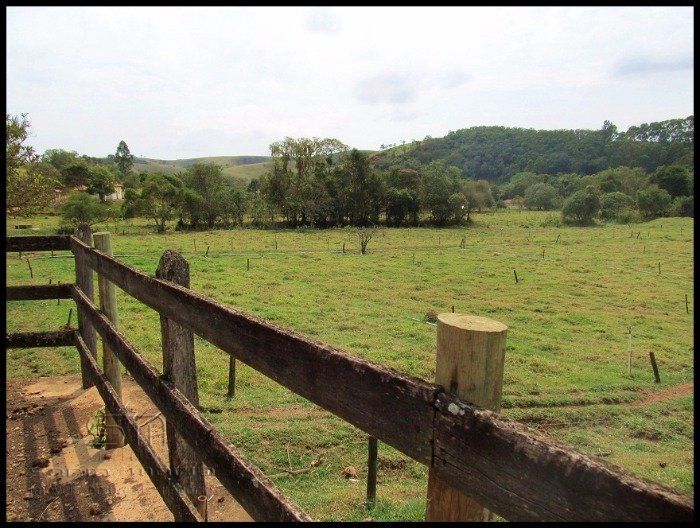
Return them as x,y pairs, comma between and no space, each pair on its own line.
194,241
453,308
248,265
516,276
542,252
687,310
558,237
638,233
231,377
371,472
414,257
655,367
59,299
659,268
70,316
31,272
629,351
276,243
206,255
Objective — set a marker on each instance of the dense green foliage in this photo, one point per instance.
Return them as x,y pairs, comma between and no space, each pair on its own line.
82,208
29,183
497,153
582,206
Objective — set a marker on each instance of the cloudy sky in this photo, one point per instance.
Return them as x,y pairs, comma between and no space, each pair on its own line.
185,82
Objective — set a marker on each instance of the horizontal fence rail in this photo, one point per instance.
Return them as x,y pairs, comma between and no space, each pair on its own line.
246,483
38,292
173,495
37,243
39,339
514,471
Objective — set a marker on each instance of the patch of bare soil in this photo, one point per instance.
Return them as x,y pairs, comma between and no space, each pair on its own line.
55,474
674,392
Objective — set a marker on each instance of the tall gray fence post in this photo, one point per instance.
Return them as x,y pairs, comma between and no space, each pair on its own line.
179,369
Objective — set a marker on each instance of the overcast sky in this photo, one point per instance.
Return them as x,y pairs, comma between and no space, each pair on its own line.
185,82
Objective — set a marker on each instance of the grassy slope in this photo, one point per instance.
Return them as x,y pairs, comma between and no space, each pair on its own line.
240,167
565,360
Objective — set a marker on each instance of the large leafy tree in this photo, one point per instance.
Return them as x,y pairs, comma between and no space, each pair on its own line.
653,201
674,179
207,181
30,186
540,196
124,159
82,208
102,180
582,206
440,182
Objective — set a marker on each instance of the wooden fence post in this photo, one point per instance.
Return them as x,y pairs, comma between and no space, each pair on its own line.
83,279
371,472
231,376
179,369
470,357
111,366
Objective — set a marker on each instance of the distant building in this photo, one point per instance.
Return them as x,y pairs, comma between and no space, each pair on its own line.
118,193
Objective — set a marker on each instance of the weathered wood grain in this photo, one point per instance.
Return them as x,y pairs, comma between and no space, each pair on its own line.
173,495
394,408
525,476
83,279
39,339
180,369
246,483
38,292
37,243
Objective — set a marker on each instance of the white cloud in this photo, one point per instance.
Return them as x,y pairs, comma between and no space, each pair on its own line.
183,81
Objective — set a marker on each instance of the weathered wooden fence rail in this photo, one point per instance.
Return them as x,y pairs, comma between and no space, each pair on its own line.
510,469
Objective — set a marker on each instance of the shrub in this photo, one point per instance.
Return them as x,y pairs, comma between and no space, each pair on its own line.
82,208
673,179
653,201
612,204
582,206
540,196
682,206
628,216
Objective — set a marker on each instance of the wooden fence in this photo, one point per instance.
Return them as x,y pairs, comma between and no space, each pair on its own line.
513,471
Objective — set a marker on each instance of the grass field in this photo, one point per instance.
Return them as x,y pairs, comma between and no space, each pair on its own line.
566,356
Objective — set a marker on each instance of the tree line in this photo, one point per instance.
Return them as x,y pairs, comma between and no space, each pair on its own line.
496,153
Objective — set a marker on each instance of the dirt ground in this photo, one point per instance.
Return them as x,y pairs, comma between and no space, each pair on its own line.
54,473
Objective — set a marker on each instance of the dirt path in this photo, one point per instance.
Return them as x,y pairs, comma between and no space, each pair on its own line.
54,473
682,389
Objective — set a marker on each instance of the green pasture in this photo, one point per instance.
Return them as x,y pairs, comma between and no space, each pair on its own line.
569,318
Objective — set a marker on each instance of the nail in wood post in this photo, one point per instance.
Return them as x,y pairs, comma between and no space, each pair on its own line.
111,366
470,356
371,472
657,379
179,369
83,279
231,377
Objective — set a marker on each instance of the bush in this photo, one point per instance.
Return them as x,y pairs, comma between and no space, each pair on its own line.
628,216
653,202
540,196
612,204
582,206
682,206
673,179
82,208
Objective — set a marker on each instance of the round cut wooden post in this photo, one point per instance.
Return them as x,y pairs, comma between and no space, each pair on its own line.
179,368
470,356
111,366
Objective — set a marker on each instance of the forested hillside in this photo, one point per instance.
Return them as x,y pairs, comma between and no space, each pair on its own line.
496,153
